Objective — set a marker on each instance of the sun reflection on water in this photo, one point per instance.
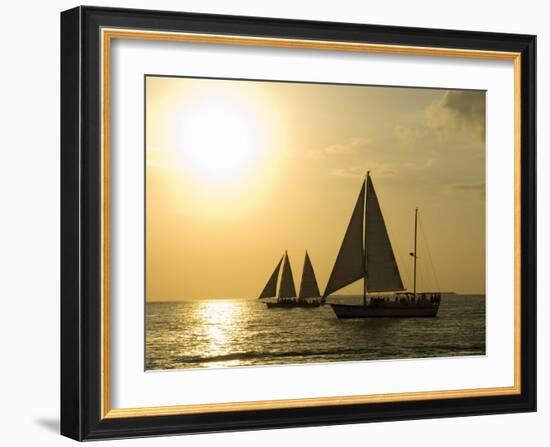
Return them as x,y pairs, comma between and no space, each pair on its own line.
220,321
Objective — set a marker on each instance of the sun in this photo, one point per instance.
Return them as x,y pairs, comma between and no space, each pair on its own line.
219,139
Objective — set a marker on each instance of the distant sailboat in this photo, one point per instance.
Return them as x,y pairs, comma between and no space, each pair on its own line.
309,296
366,253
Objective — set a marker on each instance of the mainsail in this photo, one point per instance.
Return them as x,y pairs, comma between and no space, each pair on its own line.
350,262
287,289
270,289
381,268
308,286
366,251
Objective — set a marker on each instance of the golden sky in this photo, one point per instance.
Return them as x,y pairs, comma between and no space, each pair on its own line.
240,171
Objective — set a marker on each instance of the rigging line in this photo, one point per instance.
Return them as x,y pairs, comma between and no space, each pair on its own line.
461,330
402,261
429,255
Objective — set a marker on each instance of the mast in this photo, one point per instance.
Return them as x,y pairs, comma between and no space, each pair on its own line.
366,249
414,256
365,244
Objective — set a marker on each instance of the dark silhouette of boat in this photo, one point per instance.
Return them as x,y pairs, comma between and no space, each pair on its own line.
366,253
309,295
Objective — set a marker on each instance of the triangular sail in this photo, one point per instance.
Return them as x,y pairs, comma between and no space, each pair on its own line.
287,289
308,286
382,271
350,262
270,289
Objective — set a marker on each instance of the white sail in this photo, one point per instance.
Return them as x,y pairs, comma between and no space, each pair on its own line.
381,268
270,289
308,286
350,262
287,289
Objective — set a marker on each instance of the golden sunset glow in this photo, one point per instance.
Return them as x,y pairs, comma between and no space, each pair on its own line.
237,172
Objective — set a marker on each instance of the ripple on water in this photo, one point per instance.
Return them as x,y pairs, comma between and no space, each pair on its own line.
225,333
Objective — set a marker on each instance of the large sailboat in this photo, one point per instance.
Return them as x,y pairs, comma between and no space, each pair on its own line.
366,253
309,295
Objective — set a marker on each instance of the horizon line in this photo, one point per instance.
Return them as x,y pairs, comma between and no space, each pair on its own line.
253,299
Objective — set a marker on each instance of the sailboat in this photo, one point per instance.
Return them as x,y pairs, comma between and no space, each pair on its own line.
309,295
366,253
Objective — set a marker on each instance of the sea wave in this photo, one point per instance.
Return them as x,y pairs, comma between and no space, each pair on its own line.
199,334
347,353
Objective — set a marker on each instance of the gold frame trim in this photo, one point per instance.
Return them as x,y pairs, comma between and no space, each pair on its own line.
107,35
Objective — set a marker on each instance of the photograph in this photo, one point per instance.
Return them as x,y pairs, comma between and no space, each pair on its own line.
274,221
302,222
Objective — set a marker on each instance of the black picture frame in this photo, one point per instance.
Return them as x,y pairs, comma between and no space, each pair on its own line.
81,223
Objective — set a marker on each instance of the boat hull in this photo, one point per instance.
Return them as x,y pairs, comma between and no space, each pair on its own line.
292,304
386,310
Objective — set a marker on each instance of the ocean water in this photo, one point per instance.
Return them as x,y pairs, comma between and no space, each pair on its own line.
243,332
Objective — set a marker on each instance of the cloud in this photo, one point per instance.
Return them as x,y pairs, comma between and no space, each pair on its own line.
351,146
477,187
421,165
458,111
379,170
408,135
470,106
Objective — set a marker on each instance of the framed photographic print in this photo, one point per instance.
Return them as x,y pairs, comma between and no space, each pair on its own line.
277,223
